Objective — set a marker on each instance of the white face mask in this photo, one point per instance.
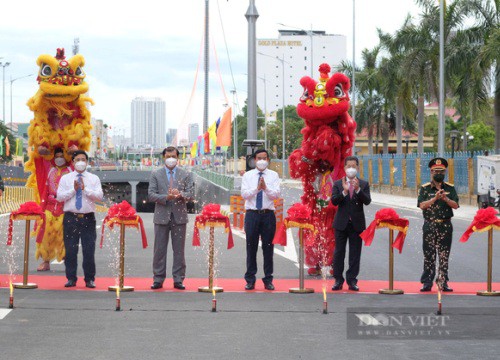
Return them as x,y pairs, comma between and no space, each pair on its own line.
351,172
262,165
80,166
171,162
60,161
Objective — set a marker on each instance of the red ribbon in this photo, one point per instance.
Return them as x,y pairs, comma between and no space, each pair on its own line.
299,215
387,218
211,215
485,219
124,213
29,208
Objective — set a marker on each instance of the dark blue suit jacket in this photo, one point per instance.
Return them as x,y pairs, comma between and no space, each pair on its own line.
350,208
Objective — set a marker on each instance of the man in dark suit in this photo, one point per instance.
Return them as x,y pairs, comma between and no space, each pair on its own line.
349,194
170,188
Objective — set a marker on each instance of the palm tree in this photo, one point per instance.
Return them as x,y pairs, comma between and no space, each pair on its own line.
479,50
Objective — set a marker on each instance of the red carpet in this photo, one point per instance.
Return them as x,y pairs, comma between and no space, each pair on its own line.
49,282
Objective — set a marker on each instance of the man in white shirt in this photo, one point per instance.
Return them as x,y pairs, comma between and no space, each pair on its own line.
79,190
260,187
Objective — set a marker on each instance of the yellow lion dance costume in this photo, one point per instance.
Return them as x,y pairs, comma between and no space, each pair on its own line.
61,120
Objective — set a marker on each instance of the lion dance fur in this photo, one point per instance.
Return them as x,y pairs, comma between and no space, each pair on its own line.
61,120
328,138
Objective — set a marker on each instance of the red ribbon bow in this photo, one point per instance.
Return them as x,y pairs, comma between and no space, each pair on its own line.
299,215
124,213
29,208
390,219
484,220
211,216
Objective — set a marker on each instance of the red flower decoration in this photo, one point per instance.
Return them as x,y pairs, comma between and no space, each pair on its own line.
124,212
26,209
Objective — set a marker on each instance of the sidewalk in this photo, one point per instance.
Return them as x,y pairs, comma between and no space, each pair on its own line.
466,212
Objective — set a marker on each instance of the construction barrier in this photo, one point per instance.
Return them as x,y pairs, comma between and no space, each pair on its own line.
237,208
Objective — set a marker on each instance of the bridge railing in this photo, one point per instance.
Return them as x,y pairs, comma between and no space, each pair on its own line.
222,180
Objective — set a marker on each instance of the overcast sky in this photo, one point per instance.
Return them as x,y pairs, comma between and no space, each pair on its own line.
151,47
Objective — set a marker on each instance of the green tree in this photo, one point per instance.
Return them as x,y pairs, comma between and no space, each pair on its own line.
478,54
293,125
5,132
484,137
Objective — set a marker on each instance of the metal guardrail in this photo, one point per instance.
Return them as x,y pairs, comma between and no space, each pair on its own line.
225,181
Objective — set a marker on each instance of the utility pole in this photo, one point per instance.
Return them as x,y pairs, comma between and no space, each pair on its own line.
252,16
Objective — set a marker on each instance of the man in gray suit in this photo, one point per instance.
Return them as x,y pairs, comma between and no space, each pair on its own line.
170,188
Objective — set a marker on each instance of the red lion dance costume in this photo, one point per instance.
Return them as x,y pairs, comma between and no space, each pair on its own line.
329,135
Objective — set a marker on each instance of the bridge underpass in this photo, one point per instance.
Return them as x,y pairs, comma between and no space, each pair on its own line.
132,186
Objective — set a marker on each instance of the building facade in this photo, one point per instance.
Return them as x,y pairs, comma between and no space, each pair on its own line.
301,52
194,132
148,122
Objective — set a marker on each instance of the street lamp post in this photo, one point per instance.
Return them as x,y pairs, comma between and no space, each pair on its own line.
310,33
283,62
453,135
11,81
265,110
407,141
3,65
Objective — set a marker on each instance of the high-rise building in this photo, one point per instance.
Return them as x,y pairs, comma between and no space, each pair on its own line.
148,122
99,139
170,137
296,49
194,132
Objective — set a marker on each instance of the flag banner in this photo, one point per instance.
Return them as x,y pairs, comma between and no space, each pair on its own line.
224,131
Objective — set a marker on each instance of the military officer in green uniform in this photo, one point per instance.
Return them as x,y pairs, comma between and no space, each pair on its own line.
437,199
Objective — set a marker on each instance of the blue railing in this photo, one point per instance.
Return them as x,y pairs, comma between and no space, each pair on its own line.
461,171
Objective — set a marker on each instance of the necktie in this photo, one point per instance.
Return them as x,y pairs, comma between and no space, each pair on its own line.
258,202
171,180
351,189
79,194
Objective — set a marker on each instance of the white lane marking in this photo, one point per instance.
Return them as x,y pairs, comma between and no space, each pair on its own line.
4,313
289,252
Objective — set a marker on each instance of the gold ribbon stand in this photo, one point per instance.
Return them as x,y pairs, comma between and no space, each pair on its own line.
391,290
121,286
489,292
211,249
25,284
301,289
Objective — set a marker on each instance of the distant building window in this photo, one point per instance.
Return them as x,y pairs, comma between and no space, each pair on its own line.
305,67
305,48
276,95
305,57
323,47
276,66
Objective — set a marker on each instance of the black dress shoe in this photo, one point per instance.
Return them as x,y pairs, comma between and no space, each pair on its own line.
269,286
446,288
179,286
70,283
156,285
337,286
426,287
353,287
250,286
90,284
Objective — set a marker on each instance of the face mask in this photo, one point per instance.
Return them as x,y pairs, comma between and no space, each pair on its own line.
59,161
262,165
351,172
171,162
438,178
80,165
